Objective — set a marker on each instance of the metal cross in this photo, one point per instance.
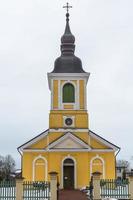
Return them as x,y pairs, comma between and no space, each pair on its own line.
67,7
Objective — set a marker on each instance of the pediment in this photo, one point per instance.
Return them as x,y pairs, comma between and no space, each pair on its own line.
69,141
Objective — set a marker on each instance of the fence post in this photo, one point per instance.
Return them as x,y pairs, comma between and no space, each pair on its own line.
130,178
19,188
96,186
53,185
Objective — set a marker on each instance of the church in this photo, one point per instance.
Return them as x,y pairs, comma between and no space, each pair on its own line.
68,146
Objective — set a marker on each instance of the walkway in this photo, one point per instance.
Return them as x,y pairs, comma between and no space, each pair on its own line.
72,195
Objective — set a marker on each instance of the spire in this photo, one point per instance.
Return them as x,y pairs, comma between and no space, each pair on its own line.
68,62
67,40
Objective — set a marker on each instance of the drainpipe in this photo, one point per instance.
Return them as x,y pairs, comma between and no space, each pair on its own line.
21,157
115,160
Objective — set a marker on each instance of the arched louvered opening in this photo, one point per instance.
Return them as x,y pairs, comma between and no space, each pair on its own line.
68,93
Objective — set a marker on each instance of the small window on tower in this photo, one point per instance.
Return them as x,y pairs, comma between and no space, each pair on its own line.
68,93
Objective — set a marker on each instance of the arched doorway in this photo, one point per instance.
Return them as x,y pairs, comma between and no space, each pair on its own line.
68,173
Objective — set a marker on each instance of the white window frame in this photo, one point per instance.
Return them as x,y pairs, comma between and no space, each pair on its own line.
103,165
61,95
45,165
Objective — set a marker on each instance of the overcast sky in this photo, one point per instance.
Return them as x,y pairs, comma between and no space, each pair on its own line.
30,32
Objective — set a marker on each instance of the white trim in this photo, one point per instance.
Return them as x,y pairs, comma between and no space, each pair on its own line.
39,164
102,150
75,171
33,141
68,130
103,141
73,121
35,150
69,149
34,164
64,137
68,164
103,164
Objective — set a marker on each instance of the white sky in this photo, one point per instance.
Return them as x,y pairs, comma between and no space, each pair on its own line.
30,32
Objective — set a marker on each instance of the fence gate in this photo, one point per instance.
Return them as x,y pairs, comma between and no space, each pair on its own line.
8,190
111,188
36,190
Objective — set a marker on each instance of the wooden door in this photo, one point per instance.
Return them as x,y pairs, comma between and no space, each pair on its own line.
68,177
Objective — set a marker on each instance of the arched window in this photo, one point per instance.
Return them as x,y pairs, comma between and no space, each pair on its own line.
68,93
97,165
39,169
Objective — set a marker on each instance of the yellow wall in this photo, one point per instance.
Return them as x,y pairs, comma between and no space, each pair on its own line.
56,118
55,94
82,162
84,136
82,94
68,107
96,144
40,144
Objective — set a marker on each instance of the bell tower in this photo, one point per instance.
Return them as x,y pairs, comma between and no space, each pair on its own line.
67,83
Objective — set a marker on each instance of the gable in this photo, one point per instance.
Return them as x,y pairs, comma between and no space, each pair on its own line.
69,141
61,140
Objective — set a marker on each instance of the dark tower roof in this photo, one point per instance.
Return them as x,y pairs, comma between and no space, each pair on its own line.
68,62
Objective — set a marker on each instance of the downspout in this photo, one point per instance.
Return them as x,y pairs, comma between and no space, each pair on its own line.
115,161
21,158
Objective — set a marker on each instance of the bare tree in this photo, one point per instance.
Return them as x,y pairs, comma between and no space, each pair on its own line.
7,166
123,163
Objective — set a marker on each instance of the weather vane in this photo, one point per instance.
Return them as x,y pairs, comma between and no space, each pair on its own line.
67,7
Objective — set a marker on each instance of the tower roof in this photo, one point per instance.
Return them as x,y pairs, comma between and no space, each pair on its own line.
68,62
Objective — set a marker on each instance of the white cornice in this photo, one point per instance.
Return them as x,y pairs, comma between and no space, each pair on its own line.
34,150
86,74
67,76
68,150
64,130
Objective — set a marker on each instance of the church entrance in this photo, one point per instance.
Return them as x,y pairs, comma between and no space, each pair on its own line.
68,174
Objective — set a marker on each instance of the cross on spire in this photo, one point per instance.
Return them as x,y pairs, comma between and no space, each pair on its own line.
67,7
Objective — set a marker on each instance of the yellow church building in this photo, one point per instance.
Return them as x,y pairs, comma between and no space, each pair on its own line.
68,146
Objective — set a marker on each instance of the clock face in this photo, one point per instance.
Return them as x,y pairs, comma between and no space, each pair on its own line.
68,121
